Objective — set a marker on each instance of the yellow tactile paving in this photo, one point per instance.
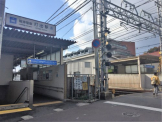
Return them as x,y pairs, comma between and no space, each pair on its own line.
14,110
48,103
11,104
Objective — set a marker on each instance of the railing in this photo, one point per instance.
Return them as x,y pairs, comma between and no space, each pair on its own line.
21,94
56,89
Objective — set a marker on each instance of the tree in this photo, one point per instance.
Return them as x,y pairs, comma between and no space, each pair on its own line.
154,49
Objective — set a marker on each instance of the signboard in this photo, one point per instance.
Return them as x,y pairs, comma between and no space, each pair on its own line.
41,62
29,24
77,83
92,80
96,43
150,66
23,64
84,78
85,86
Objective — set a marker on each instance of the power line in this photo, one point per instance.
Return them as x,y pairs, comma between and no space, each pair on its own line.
73,20
144,3
56,11
147,46
62,11
73,12
74,24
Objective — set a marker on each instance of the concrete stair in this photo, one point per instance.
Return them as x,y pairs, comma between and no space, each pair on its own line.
13,106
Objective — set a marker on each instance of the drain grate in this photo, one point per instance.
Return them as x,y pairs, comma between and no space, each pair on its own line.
131,114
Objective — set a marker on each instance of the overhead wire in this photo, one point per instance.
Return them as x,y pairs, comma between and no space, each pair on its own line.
74,20
73,12
57,11
62,11
75,24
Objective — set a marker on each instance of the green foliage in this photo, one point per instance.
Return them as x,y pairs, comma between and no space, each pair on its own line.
154,49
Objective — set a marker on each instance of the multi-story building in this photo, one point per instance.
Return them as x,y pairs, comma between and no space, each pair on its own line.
84,60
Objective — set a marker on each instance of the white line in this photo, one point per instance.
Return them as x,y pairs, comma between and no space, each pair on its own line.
135,106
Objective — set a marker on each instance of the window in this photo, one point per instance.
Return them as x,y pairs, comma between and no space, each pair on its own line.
87,64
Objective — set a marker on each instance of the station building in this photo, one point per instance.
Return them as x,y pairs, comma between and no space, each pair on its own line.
42,69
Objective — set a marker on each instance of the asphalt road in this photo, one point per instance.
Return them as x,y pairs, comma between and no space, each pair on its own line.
100,111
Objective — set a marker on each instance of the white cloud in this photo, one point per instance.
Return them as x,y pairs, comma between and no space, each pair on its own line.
86,22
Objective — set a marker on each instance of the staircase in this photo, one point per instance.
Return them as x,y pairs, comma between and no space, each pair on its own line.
13,108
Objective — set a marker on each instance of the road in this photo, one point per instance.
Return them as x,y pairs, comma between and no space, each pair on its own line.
132,107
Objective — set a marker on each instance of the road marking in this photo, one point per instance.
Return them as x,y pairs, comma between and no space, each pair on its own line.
47,103
14,111
135,106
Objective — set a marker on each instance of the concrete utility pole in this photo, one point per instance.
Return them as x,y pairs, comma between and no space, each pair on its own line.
159,5
2,9
105,94
96,49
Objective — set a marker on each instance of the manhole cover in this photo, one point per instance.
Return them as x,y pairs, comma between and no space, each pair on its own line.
131,114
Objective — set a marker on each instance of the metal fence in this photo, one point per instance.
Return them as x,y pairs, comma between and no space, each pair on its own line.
80,86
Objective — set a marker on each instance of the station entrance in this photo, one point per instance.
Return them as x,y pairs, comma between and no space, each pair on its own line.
37,83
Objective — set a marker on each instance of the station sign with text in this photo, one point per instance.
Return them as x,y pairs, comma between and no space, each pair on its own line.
19,22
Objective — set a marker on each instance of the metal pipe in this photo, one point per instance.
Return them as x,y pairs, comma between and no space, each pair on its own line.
34,51
72,86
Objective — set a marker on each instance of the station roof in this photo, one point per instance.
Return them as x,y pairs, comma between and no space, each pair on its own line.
144,59
21,43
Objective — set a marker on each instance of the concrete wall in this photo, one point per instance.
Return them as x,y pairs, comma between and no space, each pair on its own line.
131,81
124,81
79,65
16,88
6,67
146,81
3,94
55,87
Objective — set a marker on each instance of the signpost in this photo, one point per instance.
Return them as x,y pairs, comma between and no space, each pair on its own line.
41,62
29,24
96,43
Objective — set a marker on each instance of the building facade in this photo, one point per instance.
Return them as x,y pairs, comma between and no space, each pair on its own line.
84,60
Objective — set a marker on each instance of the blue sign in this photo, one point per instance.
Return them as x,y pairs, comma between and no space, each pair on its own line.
13,20
150,66
96,43
41,62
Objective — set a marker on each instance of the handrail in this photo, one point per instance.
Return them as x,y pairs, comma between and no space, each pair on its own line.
21,94
49,88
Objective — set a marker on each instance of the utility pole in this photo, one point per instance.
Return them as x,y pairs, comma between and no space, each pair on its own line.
159,5
96,49
2,9
105,94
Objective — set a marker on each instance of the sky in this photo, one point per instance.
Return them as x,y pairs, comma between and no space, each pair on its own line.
42,9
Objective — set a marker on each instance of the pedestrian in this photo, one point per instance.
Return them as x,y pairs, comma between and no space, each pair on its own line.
155,82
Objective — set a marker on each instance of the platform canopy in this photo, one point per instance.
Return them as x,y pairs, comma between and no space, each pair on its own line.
144,59
21,43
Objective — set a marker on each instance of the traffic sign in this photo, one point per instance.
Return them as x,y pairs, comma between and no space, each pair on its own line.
96,43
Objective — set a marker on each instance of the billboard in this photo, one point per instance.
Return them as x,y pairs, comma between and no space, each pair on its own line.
29,24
